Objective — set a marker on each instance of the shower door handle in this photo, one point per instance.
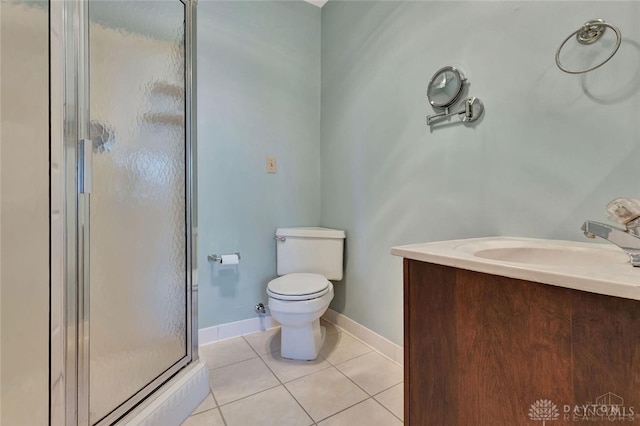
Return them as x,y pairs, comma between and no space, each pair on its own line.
85,165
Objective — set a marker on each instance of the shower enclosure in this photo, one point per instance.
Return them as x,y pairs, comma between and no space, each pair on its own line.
123,276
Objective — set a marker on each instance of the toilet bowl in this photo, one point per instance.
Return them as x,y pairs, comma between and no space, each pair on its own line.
297,301
307,258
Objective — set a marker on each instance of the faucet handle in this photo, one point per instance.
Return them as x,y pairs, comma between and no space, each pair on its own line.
635,259
624,210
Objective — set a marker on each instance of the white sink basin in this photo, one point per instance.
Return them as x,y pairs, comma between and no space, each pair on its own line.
544,254
598,268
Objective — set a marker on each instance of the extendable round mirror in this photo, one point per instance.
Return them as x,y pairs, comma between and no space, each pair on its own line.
445,87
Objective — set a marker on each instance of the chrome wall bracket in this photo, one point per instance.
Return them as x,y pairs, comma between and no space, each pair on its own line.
590,32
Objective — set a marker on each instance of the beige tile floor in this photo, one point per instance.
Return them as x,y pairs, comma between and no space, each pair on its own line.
349,384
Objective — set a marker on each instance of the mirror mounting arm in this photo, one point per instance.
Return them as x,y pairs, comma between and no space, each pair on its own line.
443,114
471,111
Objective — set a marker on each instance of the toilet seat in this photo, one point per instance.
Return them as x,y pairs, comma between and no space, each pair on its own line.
298,286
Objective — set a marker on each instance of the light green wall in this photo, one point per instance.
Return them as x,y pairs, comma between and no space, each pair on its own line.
338,96
258,95
551,150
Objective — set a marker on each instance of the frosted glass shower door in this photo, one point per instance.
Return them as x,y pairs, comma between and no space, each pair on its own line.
138,221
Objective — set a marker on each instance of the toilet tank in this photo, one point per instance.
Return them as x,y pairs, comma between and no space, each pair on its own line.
311,249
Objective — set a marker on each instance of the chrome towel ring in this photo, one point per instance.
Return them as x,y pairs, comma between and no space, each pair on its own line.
589,33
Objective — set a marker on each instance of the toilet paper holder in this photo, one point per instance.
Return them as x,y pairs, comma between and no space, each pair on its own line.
218,257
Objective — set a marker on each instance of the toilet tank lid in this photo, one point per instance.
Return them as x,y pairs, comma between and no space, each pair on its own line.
312,231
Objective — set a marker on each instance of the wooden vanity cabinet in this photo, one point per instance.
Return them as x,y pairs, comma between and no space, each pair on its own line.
481,349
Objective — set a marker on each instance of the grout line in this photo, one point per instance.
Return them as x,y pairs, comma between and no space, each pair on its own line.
279,381
330,365
313,421
355,356
233,363
384,390
308,374
345,409
367,393
217,405
372,396
351,359
385,407
222,417
247,396
252,348
390,412
272,372
369,396
348,359
360,402
367,345
287,389
348,324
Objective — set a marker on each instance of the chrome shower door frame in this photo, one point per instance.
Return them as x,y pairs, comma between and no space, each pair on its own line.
69,207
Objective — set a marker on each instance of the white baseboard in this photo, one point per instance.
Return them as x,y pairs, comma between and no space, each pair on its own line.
235,329
253,325
384,346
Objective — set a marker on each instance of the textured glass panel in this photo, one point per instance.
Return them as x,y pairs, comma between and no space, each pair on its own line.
138,239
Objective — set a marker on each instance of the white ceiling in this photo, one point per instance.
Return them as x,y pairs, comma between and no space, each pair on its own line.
318,3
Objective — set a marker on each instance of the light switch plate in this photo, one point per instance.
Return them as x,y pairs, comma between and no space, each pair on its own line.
271,164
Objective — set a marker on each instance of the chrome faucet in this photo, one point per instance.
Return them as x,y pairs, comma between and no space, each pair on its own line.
627,239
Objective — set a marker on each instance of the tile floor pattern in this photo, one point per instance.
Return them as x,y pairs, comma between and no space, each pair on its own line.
349,384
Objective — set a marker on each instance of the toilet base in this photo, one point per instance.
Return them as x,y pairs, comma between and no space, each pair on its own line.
302,343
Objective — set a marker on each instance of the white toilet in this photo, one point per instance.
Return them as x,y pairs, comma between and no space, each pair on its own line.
307,258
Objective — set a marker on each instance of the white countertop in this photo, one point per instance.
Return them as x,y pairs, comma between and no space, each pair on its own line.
605,271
